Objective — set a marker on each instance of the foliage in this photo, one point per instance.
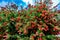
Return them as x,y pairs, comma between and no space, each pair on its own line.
34,23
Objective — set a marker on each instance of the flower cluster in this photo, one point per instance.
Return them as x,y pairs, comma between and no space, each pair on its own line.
35,23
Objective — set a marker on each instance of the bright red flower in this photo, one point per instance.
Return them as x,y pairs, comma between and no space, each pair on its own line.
12,19
44,5
41,34
40,3
40,7
55,28
18,19
41,28
5,23
46,21
29,5
38,10
52,15
25,31
46,28
33,23
34,6
31,11
40,39
44,12
32,26
42,15
59,32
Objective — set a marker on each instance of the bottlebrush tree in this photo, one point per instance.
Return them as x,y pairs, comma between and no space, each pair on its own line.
34,23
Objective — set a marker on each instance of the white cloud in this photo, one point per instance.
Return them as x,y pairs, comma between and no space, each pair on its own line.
3,3
55,2
29,1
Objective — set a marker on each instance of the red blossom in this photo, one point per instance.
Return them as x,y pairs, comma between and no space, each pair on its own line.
38,10
41,34
34,6
40,39
40,3
46,21
32,26
29,5
44,5
18,19
40,7
12,19
5,23
59,32
46,29
25,31
31,11
33,37
42,15
55,28
44,12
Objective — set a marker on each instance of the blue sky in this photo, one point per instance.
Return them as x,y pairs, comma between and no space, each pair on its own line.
24,3
4,2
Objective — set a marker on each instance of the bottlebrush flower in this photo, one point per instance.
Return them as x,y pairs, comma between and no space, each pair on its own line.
40,38
55,28
18,19
40,3
38,10
29,28
34,31
42,15
53,21
5,23
46,21
32,26
44,5
5,36
34,6
14,6
52,15
45,17
19,31
3,8
37,34
31,11
44,11
25,31
46,29
33,22
41,34
18,25
29,5
12,19
41,23
59,32
40,7
32,37
40,28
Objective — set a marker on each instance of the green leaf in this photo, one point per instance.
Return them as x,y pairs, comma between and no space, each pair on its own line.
38,14
39,31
